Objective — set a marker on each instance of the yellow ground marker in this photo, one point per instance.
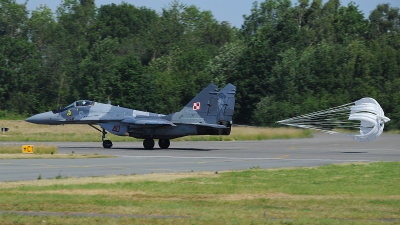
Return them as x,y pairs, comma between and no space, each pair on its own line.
27,149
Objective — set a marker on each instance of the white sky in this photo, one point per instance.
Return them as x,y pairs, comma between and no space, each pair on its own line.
223,10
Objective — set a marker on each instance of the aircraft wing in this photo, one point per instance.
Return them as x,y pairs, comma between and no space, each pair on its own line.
147,121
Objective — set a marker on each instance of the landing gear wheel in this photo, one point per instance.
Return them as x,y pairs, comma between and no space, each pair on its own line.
107,144
148,143
163,143
227,131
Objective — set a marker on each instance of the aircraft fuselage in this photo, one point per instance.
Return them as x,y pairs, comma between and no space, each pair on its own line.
208,113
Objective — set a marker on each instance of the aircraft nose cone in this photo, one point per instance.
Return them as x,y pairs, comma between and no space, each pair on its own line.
30,119
42,118
35,119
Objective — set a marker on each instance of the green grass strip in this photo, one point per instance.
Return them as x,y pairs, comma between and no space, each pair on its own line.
366,193
37,149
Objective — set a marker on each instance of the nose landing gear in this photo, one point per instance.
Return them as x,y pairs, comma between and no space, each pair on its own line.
106,143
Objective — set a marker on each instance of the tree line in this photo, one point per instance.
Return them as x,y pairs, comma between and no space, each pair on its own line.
285,60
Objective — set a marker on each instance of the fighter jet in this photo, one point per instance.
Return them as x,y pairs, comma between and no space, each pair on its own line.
209,113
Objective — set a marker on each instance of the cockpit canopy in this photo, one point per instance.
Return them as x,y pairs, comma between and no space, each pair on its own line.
84,103
78,103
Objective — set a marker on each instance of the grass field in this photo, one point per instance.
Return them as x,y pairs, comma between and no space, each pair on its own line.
20,130
42,152
333,194
37,149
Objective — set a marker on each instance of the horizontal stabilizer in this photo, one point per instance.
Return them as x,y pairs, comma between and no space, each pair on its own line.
211,125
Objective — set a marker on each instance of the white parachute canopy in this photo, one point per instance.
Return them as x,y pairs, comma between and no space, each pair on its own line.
366,115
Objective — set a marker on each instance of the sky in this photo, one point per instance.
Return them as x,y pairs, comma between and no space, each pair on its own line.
223,10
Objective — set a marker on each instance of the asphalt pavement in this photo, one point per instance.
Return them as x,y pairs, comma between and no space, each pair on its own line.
187,156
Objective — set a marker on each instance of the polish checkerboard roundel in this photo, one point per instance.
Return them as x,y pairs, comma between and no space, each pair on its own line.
196,106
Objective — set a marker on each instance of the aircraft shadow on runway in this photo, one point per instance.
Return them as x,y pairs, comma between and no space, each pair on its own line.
353,152
141,149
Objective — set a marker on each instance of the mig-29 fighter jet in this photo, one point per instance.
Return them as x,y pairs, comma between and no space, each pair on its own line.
209,113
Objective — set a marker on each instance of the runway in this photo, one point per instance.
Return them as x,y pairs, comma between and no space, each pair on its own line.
131,158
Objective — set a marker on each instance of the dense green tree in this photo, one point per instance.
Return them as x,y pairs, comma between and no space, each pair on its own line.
12,19
272,36
305,58
185,40
74,36
19,60
350,24
97,72
224,65
132,26
287,59
384,19
135,88
19,77
41,27
124,20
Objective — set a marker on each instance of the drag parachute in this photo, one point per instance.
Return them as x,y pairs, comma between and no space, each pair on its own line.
365,115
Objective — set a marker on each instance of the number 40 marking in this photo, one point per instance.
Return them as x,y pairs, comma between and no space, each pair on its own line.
116,128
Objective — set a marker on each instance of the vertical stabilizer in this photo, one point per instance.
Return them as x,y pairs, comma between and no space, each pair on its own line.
203,107
226,104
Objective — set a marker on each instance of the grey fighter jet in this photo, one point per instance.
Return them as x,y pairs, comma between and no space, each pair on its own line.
209,113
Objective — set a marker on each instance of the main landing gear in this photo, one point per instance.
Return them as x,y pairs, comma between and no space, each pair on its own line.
148,143
163,143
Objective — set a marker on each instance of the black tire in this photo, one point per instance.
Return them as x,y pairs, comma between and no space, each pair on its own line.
107,144
227,131
164,143
148,143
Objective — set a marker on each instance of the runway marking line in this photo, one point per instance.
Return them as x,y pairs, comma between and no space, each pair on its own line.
159,169
86,166
281,157
232,158
218,161
92,166
46,165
